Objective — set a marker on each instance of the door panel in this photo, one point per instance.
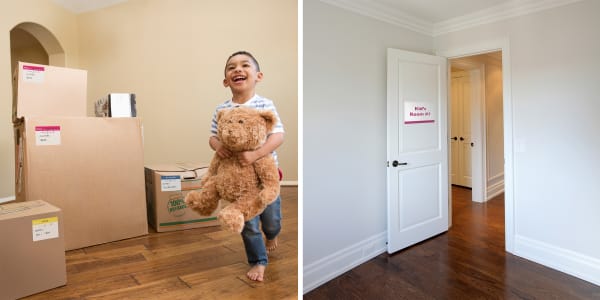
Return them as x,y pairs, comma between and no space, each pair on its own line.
461,129
418,202
417,148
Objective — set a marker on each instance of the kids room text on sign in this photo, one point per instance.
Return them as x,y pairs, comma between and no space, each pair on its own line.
417,113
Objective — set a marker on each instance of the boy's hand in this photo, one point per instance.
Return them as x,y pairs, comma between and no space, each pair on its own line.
223,152
247,158
216,145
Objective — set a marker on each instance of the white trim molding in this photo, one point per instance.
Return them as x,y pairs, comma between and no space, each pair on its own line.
564,260
383,13
507,10
6,199
495,189
327,268
288,183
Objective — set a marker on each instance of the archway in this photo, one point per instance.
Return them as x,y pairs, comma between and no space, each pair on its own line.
31,42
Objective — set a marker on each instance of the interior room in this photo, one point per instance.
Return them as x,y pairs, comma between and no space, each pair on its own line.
546,61
169,57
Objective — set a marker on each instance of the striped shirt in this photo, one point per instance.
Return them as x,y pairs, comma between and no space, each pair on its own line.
257,102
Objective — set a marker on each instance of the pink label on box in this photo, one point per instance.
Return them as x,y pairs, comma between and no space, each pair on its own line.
47,135
34,68
33,74
47,128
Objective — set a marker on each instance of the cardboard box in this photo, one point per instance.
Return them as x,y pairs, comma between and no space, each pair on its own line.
166,187
41,90
32,255
92,168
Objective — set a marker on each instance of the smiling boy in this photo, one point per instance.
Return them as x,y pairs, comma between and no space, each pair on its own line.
242,73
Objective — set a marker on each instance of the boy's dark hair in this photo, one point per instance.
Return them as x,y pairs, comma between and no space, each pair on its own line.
242,52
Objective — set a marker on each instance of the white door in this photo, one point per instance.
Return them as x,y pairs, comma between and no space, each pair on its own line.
417,150
460,129
467,138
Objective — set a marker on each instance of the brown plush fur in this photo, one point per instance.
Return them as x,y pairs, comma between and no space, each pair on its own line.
249,189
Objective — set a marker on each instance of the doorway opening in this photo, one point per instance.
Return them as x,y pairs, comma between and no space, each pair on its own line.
476,120
34,43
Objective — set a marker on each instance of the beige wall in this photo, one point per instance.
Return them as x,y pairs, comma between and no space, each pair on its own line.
63,25
171,54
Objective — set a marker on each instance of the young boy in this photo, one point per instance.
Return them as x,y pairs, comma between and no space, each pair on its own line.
241,75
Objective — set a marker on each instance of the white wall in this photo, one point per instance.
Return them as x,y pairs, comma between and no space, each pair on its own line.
554,81
344,125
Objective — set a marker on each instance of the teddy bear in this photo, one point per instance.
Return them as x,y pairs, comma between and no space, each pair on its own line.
248,189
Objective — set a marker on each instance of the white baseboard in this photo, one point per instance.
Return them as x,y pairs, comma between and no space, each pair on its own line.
335,264
6,199
495,190
567,261
288,183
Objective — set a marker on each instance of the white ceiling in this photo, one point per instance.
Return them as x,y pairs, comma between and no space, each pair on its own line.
435,17
431,17
434,11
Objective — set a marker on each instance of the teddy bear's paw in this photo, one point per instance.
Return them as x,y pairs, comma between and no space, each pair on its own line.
231,220
191,199
204,211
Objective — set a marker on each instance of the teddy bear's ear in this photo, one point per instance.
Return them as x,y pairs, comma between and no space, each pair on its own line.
270,119
220,114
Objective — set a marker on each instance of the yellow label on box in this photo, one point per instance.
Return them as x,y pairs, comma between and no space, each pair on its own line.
44,229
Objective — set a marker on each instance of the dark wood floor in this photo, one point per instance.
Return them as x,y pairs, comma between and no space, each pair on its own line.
203,263
467,262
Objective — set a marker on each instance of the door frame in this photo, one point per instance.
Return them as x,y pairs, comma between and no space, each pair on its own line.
478,47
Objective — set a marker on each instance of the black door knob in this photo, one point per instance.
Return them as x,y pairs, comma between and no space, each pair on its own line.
396,163
462,138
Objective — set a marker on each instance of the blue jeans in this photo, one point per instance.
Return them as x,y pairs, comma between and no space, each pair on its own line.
256,252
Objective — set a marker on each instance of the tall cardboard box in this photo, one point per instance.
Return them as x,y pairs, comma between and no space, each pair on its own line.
92,168
41,90
166,187
32,254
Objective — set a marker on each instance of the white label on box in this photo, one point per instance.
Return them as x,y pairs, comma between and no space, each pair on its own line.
47,135
44,229
33,74
170,183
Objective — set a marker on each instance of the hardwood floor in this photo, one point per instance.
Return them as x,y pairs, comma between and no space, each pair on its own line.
467,262
202,263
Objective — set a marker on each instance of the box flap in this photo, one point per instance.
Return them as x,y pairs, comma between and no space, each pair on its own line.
22,209
185,170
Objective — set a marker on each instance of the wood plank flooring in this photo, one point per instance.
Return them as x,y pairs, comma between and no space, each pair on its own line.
467,262
202,263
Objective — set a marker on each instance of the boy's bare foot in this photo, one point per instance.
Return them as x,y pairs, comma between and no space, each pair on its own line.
271,244
256,273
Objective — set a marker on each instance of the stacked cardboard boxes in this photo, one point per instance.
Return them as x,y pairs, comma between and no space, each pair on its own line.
91,168
32,255
41,90
166,187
